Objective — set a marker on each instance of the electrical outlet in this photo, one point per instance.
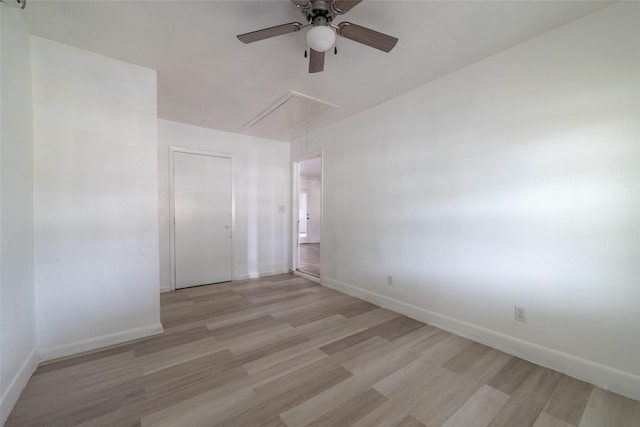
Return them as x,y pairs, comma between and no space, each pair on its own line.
389,280
520,314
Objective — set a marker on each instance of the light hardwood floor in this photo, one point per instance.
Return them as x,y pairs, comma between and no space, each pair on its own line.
284,351
310,258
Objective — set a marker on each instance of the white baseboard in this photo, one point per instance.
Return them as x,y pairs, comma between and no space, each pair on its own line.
272,273
260,274
609,378
18,383
239,277
98,342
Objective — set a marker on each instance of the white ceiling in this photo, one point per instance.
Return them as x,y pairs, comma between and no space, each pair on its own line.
207,77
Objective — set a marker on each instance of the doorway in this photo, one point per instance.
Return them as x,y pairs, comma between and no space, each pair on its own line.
202,219
309,215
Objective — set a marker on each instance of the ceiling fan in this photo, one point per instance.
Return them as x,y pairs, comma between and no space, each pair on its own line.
319,15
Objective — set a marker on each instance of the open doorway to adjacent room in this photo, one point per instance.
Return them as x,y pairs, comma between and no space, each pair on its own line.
309,215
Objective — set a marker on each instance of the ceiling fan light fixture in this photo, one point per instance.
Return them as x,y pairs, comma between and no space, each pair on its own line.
321,38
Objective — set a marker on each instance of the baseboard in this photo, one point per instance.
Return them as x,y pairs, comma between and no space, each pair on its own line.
259,275
12,393
239,277
98,342
609,378
272,273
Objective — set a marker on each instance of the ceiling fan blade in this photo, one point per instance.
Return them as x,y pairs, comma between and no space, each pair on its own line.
344,6
267,33
366,36
316,61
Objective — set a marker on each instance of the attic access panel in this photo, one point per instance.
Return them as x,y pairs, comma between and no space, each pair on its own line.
288,112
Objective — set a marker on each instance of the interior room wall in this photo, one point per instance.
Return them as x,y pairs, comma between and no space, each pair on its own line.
95,199
261,178
513,181
18,356
312,186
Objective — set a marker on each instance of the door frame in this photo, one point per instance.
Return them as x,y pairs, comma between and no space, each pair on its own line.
295,191
172,213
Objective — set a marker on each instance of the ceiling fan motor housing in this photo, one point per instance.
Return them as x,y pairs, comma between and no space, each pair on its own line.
318,9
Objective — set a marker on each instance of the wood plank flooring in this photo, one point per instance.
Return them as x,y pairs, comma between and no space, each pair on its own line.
284,351
310,258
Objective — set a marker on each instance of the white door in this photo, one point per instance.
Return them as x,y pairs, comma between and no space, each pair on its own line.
202,207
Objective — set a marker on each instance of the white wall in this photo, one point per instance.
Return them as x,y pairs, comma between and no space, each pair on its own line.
513,181
18,355
96,203
261,186
313,188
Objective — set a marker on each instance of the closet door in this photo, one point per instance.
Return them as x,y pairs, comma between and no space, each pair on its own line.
202,208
